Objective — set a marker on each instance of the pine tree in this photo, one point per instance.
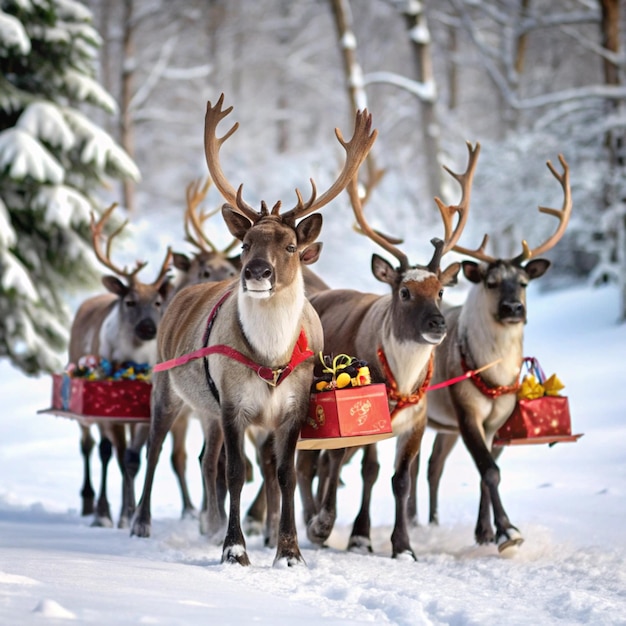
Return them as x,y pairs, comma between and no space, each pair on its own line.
53,161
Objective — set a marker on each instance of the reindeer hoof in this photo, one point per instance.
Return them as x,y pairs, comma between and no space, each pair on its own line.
360,545
102,522
319,528
140,529
252,527
291,560
404,555
509,541
189,513
235,554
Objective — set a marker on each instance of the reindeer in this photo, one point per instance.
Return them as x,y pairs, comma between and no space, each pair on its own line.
120,326
397,335
259,335
207,264
489,326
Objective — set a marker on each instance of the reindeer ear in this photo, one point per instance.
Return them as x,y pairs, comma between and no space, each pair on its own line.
383,271
311,253
450,275
238,224
181,261
115,285
536,268
471,271
308,230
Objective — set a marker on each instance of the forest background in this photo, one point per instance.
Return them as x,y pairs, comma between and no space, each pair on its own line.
528,79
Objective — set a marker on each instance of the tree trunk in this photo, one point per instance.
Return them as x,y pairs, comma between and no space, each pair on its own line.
126,121
421,44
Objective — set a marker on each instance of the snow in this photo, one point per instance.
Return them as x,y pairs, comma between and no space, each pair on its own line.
12,33
44,120
568,500
24,156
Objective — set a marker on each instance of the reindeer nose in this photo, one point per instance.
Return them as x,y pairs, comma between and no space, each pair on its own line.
258,269
146,329
512,310
437,324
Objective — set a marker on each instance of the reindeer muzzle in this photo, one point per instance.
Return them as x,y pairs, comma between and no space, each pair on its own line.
435,329
511,312
146,329
258,278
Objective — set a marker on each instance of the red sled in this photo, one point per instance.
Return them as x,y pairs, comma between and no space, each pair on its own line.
128,400
540,420
343,418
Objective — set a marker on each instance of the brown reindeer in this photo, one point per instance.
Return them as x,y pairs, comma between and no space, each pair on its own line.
208,264
397,335
258,335
489,326
119,326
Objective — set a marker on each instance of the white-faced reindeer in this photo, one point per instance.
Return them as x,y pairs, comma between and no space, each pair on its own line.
119,326
258,336
489,326
397,335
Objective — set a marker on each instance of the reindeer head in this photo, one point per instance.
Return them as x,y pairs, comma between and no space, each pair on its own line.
503,282
417,290
208,264
141,304
274,247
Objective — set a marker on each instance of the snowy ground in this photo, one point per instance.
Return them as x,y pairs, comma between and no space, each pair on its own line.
569,501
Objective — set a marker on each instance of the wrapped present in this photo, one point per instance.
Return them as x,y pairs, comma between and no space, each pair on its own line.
128,399
96,388
540,415
342,418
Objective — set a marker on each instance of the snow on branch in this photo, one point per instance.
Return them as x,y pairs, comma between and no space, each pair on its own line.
22,155
15,276
12,35
424,91
45,121
7,233
63,205
87,89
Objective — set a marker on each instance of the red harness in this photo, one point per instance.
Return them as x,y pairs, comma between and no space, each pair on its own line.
271,375
491,391
393,394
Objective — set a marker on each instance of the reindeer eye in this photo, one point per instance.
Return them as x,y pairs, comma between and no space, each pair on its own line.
405,294
130,303
245,247
491,284
440,294
291,249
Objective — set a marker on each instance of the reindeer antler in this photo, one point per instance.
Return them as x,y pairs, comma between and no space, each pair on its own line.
383,241
356,151
451,236
105,257
563,216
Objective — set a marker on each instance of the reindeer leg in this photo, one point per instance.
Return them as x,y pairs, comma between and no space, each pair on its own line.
117,434
165,408
407,449
267,458
412,501
179,461
484,532
213,515
288,552
306,469
442,446
87,493
234,550
103,512
138,438
360,540
321,524
507,535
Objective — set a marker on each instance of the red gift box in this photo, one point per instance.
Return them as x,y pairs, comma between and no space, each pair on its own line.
102,398
540,420
347,417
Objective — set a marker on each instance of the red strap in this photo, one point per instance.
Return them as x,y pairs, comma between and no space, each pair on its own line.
403,401
272,376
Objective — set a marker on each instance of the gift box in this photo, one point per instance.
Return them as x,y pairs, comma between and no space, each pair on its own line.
540,414
347,417
128,399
